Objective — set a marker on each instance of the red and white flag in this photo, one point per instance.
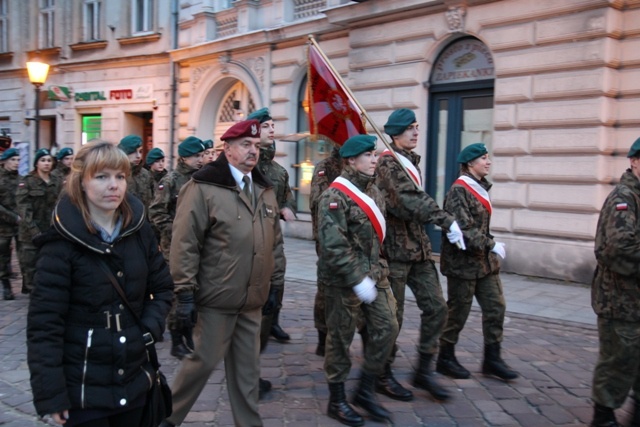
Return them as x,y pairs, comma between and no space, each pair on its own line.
332,112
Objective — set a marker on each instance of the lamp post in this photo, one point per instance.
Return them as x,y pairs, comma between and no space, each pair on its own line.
37,76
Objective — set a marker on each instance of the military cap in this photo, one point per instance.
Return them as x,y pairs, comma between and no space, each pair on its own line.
66,151
262,115
357,145
208,144
399,121
11,152
634,151
471,152
154,155
246,128
130,143
40,153
190,146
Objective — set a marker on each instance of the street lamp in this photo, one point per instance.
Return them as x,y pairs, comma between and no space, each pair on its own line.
37,76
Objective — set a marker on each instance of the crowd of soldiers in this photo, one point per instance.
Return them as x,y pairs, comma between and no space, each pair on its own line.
369,212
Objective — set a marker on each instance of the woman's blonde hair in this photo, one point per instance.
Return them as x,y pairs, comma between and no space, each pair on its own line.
92,158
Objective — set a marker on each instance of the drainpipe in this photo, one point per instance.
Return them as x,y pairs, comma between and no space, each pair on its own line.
173,78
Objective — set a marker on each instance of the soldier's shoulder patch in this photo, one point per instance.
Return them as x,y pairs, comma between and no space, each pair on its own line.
160,187
21,184
622,207
321,172
333,205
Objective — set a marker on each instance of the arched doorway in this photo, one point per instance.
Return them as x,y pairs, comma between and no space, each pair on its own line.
228,102
460,113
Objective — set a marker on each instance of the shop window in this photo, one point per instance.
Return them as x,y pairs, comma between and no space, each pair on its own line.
4,26
142,16
91,126
92,28
47,24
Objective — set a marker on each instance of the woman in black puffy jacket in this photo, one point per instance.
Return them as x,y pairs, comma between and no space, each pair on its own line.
86,352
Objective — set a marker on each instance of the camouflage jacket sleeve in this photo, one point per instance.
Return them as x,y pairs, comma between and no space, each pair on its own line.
334,240
159,211
280,262
287,200
28,226
8,216
319,183
403,199
469,214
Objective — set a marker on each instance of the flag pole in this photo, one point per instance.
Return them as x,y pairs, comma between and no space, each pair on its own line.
364,112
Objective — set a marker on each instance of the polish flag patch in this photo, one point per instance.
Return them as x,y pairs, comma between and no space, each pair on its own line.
21,184
333,205
321,173
161,187
622,207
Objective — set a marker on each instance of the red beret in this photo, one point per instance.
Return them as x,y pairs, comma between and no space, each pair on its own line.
244,129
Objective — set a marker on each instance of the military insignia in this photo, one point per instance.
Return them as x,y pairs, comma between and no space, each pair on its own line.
321,173
161,187
269,211
21,184
254,130
333,205
622,207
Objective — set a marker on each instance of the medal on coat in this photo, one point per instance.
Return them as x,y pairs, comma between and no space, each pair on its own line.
365,203
413,171
476,189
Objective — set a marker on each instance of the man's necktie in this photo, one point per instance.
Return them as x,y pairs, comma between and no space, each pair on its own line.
247,188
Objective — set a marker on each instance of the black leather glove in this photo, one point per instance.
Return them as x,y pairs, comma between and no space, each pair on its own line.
272,302
186,314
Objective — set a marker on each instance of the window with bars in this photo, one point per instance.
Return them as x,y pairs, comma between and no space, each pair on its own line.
47,24
142,16
92,30
306,8
227,112
4,26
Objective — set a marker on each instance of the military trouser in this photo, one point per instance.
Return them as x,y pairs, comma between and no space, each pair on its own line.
343,309
618,367
318,309
488,292
5,255
422,278
28,255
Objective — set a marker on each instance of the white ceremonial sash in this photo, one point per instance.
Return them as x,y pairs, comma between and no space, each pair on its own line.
365,203
413,171
476,189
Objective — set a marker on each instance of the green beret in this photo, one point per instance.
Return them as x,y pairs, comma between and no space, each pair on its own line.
11,152
130,143
40,153
471,152
66,151
357,145
208,144
261,115
634,151
190,146
154,155
399,121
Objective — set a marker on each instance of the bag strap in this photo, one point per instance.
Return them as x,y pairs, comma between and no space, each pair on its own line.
148,338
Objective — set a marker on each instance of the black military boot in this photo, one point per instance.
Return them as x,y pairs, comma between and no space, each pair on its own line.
366,398
178,348
494,365
322,339
448,365
7,293
387,385
339,409
264,387
276,331
424,379
603,417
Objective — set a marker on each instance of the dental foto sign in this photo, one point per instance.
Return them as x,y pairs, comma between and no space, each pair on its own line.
115,94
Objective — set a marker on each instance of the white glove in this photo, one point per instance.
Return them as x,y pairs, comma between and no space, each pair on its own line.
455,236
366,290
499,249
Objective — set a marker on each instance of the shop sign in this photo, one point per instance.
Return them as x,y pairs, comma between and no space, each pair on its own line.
464,61
115,94
59,93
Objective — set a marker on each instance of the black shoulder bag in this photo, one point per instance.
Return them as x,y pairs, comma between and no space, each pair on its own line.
158,405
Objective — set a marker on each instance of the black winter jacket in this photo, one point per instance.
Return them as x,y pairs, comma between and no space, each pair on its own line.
84,347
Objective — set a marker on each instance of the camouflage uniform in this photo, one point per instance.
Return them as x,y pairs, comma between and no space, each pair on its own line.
61,172
35,199
8,218
615,294
473,271
157,176
349,251
323,175
279,177
140,183
408,249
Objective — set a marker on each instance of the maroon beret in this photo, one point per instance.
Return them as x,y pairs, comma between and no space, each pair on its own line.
244,129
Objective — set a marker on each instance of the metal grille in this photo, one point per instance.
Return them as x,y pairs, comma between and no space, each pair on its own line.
227,27
227,113
252,106
306,8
